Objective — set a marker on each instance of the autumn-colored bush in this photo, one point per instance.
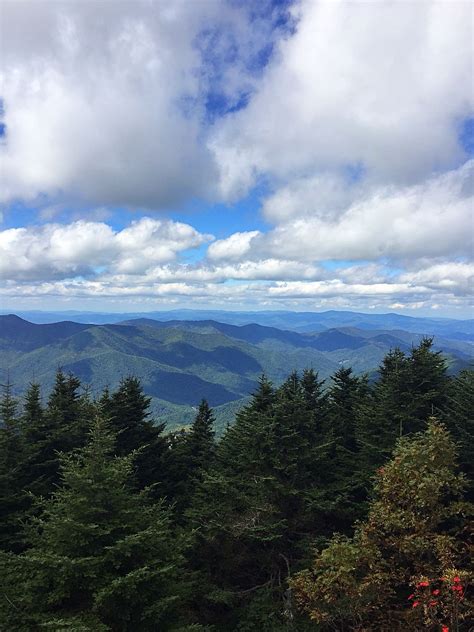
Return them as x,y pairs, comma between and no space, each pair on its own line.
407,565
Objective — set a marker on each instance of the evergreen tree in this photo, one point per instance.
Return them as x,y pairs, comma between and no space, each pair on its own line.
102,557
128,410
13,500
245,444
315,398
459,418
61,427
385,414
32,408
235,523
341,491
200,439
429,385
254,530
188,456
410,388
8,406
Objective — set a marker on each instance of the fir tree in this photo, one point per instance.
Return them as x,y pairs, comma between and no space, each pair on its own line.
341,491
32,407
459,418
429,385
61,427
8,406
102,557
13,500
410,388
128,410
200,439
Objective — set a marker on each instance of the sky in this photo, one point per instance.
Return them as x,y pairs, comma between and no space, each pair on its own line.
233,154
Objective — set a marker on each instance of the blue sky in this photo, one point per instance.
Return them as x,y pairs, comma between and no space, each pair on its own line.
238,155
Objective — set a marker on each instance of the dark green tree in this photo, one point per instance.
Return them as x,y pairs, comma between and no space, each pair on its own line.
8,406
128,409
410,388
13,500
429,385
61,427
32,408
200,439
102,557
341,491
459,418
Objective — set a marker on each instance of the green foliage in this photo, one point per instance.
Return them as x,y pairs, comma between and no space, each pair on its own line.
415,529
13,500
102,557
459,417
200,439
133,528
62,426
128,411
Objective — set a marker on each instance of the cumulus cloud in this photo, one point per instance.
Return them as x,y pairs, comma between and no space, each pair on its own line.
234,247
382,85
352,126
194,289
431,219
325,195
455,277
80,248
107,101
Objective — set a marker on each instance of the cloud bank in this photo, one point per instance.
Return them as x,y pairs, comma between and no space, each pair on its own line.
346,117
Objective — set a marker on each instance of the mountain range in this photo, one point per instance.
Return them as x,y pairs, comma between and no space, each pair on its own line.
180,361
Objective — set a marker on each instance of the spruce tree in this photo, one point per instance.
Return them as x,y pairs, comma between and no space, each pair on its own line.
234,520
32,408
128,409
200,439
61,427
187,457
429,384
459,418
409,389
102,557
13,499
384,416
341,491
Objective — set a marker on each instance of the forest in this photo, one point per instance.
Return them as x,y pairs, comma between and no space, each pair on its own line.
340,505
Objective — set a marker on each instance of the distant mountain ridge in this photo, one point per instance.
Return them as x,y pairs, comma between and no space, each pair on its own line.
181,361
295,321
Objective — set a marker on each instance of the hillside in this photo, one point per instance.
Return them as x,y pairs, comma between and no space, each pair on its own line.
180,362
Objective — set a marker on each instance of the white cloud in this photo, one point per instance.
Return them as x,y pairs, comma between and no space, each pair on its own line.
353,126
232,248
382,85
323,195
455,277
92,112
432,219
106,101
58,251
335,287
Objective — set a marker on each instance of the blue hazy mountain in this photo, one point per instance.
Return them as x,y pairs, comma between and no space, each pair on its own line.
181,361
295,321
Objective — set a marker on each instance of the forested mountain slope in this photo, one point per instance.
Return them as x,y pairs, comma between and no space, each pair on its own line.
345,508
179,362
